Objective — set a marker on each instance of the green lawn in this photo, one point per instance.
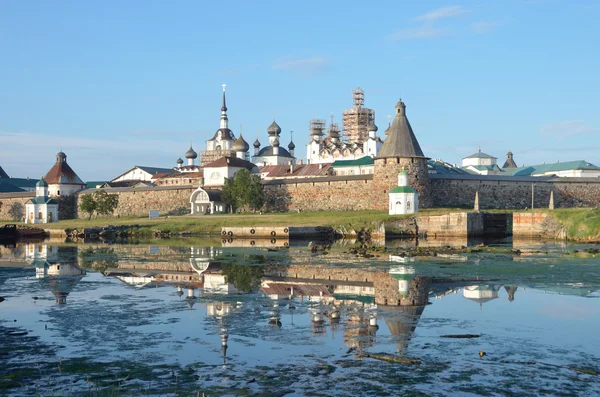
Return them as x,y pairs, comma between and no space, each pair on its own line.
212,224
581,223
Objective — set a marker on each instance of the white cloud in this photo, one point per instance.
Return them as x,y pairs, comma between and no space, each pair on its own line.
421,32
441,13
305,65
485,27
566,129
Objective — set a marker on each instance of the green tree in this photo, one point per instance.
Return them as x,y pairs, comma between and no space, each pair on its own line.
244,189
88,205
228,194
106,203
246,278
98,203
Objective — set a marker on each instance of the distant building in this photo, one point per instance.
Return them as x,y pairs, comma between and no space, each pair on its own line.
362,166
510,162
572,169
225,167
61,179
141,173
222,142
479,158
274,153
41,208
295,171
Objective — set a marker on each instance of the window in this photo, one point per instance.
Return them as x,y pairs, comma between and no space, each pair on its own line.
40,215
408,205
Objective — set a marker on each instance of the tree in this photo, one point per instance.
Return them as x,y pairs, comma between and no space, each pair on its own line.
98,203
16,211
228,194
87,205
243,189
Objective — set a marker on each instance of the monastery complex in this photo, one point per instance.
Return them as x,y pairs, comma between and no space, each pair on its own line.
348,168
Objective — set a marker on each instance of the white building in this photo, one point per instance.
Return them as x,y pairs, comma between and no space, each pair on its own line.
479,158
222,142
207,202
41,208
141,173
61,179
403,198
225,167
274,153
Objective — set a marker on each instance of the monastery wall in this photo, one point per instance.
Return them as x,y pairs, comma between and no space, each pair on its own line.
139,201
514,192
14,203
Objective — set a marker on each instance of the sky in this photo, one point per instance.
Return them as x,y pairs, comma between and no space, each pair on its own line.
115,84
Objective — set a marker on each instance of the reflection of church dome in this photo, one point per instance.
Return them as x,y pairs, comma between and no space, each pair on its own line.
61,287
402,322
481,293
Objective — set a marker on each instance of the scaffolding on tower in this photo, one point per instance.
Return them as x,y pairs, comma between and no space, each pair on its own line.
357,119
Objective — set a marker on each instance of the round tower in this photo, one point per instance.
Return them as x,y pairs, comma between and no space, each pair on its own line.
401,151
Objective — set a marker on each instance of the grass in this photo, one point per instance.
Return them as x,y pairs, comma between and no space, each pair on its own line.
581,223
212,224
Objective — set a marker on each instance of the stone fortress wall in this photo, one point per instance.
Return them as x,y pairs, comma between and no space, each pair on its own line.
365,192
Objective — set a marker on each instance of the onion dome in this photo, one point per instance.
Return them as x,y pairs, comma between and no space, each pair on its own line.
191,154
240,145
291,146
372,127
256,143
274,129
41,183
276,142
179,161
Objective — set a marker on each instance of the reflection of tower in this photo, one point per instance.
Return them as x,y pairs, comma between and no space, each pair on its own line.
191,297
57,265
511,289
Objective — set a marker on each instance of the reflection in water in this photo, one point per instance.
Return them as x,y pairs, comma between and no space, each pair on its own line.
233,307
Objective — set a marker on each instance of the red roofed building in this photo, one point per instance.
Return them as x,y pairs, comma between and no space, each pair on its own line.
61,179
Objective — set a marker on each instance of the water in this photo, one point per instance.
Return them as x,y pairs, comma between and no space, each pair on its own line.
219,318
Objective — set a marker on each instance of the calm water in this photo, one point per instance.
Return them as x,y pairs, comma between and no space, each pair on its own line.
225,318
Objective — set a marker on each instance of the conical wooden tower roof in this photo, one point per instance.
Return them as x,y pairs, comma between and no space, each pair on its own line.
400,140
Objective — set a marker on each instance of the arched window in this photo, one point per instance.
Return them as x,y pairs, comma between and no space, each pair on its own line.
40,216
49,217
408,205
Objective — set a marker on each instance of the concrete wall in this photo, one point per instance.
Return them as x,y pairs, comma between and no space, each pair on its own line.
537,224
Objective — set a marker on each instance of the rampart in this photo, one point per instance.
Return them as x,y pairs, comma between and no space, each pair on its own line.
139,201
13,205
514,192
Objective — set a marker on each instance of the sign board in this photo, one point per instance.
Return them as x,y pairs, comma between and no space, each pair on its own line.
154,214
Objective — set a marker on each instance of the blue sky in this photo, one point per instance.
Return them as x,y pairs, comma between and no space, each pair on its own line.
122,83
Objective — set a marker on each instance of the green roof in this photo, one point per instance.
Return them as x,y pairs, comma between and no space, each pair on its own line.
554,167
41,183
484,167
7,187
21,182
93,184
40,263
403,276
403,189
42,200
366,160
352,297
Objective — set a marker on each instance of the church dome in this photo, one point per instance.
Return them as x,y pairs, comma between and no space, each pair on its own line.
372,127
256,143
179,161
240,145
291,146
191,154
274,128
41,183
